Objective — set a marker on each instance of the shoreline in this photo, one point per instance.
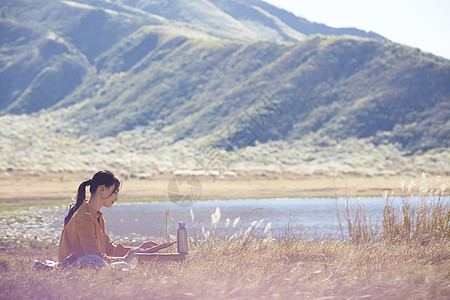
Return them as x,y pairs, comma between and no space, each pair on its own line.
58,188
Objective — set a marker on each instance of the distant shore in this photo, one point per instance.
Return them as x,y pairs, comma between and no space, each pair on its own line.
22,189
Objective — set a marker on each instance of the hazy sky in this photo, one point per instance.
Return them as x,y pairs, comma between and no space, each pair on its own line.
424,24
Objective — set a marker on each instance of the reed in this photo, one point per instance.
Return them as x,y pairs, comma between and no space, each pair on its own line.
422,222
419,219
359,226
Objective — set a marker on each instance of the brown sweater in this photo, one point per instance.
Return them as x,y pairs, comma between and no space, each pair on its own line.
85,235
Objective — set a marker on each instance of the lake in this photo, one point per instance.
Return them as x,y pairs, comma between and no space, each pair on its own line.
312,218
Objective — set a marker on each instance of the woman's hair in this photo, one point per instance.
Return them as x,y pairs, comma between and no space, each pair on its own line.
103,177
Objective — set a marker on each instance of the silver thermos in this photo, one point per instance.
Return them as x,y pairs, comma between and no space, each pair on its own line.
182,239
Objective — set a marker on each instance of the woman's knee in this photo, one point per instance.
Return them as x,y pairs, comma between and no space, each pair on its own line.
89,261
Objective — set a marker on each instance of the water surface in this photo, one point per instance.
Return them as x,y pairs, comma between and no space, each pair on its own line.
315,217
310,218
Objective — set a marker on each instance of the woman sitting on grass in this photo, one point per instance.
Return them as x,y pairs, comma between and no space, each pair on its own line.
83,239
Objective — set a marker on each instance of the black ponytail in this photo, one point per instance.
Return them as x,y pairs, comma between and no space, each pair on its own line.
104,177
80,197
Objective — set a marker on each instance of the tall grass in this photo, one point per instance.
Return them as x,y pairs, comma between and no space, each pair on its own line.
423,222
255,269
419,219
359,226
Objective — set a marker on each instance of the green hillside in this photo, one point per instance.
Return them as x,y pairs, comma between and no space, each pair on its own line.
229,74
339,87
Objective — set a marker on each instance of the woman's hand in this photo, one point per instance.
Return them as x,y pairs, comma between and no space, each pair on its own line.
130,254
146,245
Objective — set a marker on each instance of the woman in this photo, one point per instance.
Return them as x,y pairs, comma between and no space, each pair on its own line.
83,239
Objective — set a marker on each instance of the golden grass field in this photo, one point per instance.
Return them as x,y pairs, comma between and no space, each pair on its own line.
283,269
408,257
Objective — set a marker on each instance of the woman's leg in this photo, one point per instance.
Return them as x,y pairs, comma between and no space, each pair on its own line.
89,261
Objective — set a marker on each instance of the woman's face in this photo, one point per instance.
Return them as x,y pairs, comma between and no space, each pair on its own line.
109,195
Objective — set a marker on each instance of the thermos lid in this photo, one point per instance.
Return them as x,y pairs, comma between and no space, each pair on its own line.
181,224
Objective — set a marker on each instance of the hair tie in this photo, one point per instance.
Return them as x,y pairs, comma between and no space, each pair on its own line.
88,182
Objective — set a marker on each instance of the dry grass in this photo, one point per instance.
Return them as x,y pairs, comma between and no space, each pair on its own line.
420,220
258,269
393,264
57,188
405,256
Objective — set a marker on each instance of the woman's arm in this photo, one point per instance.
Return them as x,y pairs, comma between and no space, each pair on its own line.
146,245
128,256
119,252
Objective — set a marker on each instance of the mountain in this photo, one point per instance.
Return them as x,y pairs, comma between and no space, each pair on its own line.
195,71
77,33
